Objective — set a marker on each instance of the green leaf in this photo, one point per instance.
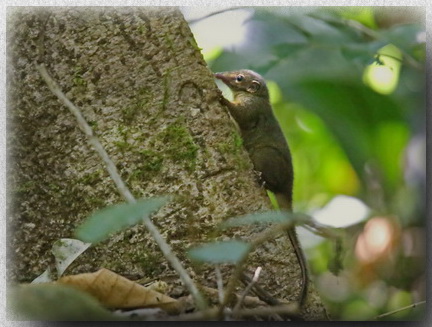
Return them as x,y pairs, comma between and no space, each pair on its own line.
363,15
318,29
231,251
54,302
116,218
362,110
403,36
283,50
275,216
397,134
362,53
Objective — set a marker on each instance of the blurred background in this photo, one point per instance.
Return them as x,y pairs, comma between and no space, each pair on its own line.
347,85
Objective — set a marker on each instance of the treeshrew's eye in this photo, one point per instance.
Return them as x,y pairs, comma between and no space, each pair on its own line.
239,78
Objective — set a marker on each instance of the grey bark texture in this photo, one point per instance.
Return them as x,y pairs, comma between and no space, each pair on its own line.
141,82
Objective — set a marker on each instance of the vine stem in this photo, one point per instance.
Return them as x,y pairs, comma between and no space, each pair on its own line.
121,186
399,310
261,238
247,290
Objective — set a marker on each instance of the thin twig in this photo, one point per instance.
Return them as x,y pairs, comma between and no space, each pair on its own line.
262,294
219,282
246,291
282,310
321,230
85,127
122,188
238,270
213,313
249,301
196,20
400,309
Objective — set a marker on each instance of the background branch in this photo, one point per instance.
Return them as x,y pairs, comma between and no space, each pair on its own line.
194,21
400,309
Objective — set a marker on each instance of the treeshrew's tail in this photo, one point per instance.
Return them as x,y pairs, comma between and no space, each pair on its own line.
285,204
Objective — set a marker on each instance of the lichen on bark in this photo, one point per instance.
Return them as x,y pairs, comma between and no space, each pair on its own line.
145,89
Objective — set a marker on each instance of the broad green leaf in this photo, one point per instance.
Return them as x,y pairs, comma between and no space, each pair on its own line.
362,109
53,302
391,157
320,31
116,218
362,53
363,15
220,252
403,36
283,50
314,148
267,217
268,23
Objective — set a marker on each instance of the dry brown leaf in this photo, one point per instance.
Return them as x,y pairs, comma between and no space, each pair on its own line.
115,291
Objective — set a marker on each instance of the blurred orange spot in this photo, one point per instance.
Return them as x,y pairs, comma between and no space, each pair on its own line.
376,240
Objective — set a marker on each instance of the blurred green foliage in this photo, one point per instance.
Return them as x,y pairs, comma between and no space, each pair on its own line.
348,88
230,251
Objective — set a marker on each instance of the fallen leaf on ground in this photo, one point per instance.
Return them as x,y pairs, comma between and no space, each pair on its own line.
115,291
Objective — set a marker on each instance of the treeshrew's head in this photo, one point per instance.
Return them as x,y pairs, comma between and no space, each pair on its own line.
244,82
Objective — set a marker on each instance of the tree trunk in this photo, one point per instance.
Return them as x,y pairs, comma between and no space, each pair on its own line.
141,82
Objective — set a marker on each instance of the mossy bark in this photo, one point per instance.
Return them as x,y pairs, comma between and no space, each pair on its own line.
141,82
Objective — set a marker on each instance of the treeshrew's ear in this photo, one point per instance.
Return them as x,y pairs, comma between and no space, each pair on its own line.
254,86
